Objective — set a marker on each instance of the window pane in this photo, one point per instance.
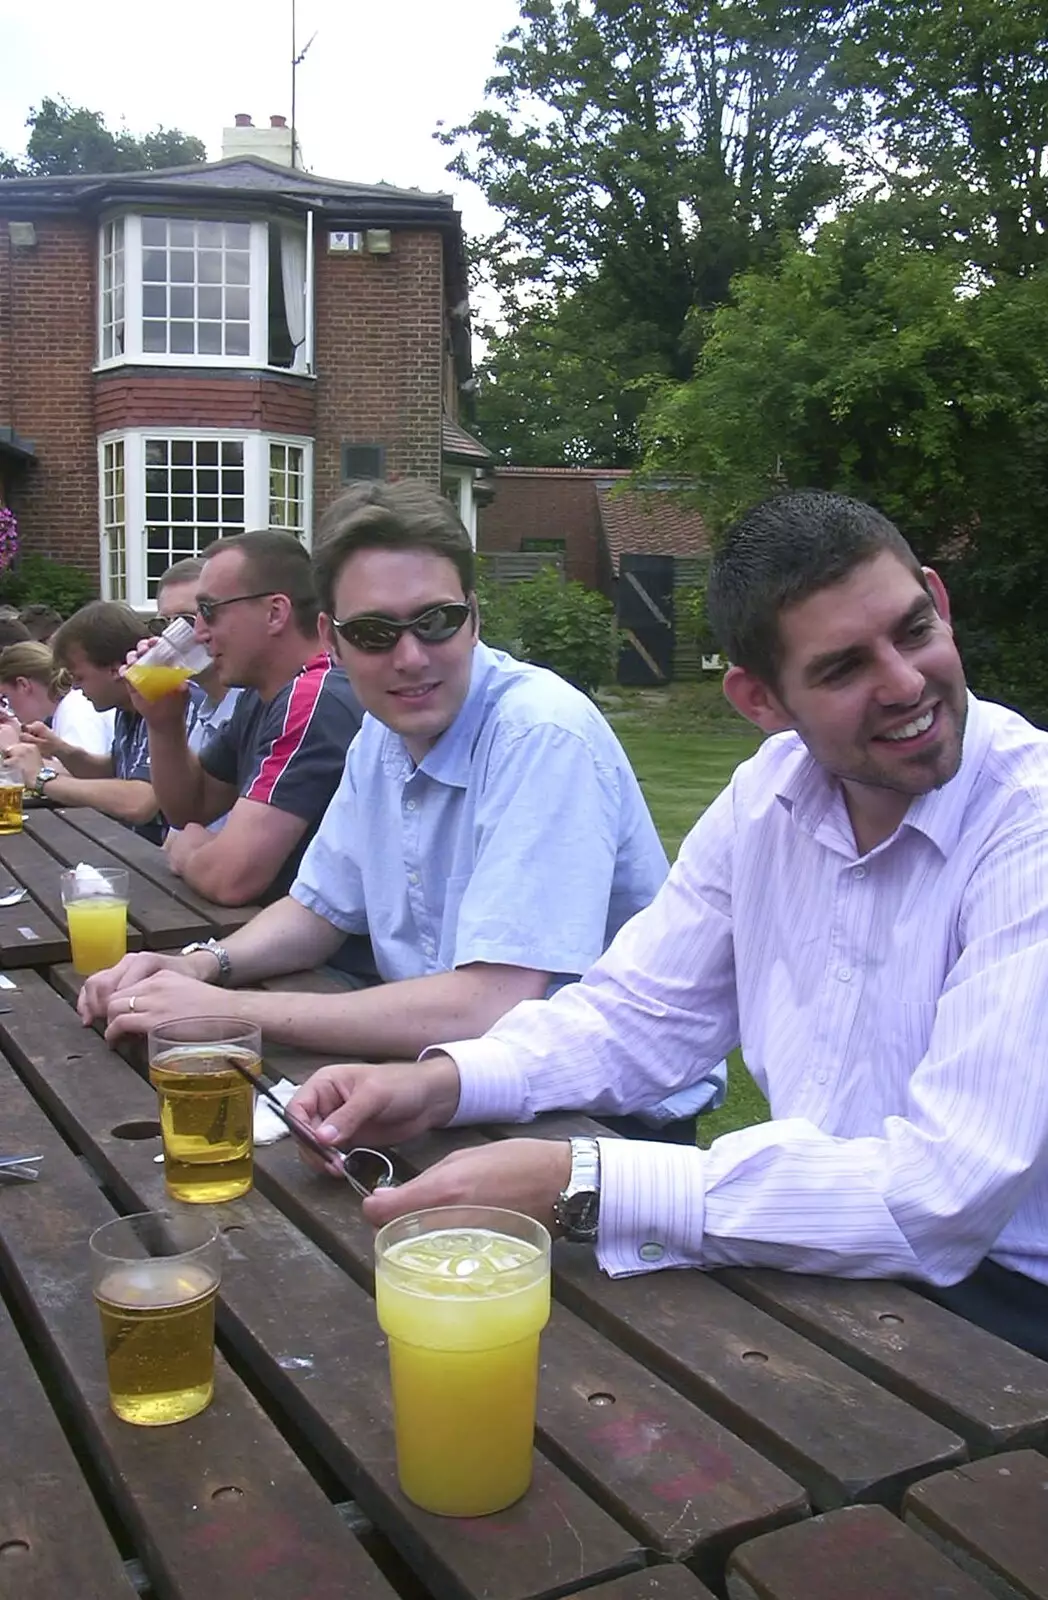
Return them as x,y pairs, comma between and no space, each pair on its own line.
210,233
154,336
182,338
210,266
207,454
207,479
182,266
209,303
156,507
207,509
154,301
209,338
183,233
232,511
238,268
236,305
238,235
156,452
233,453
154,266
238,339
182,303
182,480
182,452
182,508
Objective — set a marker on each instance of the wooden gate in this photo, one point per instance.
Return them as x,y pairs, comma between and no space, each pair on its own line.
645,620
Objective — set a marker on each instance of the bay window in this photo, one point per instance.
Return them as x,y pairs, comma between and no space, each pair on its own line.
185,291
168,494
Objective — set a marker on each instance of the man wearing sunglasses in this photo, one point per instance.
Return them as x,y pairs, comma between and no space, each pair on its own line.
488,831
274,765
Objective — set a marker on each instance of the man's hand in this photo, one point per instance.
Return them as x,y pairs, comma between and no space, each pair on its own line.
161,998
44,740
518,1174
183,843
93,999
168,710
29,758
381,1105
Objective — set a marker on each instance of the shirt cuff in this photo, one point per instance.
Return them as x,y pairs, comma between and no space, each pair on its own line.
491,1089
652,1206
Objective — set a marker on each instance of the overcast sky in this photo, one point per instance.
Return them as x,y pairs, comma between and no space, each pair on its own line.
374,84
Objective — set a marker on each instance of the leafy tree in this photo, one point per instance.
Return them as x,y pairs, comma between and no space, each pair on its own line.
71,139
642,152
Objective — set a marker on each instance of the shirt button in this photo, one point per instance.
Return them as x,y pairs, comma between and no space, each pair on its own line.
412,877
860,872
845,974
651,1252
821,1077
410,805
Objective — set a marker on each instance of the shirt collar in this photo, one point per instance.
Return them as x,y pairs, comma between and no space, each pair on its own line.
450,761
810,795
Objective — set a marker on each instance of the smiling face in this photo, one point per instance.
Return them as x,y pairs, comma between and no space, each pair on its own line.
416,689
872,682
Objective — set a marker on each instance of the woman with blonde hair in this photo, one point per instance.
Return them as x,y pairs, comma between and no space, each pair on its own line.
38,691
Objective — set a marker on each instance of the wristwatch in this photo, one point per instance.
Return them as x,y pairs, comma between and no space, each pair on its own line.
43,776
576,1209
224,976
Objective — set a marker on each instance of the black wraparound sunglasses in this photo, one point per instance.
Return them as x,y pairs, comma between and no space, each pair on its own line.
376,634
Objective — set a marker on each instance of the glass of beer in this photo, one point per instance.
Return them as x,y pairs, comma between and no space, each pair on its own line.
207,1108
463,1294
95,900
12,791
155,1278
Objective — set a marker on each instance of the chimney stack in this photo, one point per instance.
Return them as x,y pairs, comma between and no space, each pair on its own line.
270,144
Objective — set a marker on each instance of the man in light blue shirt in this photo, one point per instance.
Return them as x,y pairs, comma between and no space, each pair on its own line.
488,831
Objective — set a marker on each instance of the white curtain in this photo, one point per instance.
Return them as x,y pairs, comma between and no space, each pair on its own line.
293,273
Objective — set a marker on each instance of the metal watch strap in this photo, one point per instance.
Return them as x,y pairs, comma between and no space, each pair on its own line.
220,953
576,1209
43,776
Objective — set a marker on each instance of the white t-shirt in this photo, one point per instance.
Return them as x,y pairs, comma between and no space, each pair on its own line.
77,722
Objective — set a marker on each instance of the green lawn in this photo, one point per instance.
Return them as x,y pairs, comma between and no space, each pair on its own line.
684,750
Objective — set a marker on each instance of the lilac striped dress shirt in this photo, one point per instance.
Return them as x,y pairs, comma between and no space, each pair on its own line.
893,1007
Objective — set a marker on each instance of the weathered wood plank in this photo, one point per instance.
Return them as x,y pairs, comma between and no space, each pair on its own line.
991,1518
862,1552
38,869
162,920
219,1504
53,1538
989,1392
150,860
684,1485
310,1336
829,1428
654,1583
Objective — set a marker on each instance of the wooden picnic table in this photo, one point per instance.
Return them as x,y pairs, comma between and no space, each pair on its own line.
164,913
749,1434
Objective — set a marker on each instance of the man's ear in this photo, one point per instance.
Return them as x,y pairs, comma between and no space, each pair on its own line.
938,592
328,637
753,700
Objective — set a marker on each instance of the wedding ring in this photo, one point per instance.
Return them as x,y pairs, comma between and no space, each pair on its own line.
131,1003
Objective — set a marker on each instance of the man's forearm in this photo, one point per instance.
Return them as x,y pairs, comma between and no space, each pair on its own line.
178,779
82,764
283,937
127,799
390,1021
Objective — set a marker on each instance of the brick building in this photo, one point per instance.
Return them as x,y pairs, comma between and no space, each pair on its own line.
191,352
591,516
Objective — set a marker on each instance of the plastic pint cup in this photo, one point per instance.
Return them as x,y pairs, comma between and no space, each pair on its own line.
95,900
155,1278
463,1294
207,1106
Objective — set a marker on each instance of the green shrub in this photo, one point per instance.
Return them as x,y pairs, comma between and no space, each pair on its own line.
37,580
563,626
1010,666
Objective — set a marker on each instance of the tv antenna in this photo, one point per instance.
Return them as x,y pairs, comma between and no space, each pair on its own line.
297,58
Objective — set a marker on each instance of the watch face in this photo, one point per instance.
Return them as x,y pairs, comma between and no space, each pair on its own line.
581,1211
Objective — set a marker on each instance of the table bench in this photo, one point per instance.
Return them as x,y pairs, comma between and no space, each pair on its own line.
686,1420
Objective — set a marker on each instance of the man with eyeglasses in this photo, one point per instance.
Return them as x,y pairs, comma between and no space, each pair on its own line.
211,702
277,761
488,831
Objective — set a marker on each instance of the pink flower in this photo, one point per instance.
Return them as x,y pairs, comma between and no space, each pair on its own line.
8,537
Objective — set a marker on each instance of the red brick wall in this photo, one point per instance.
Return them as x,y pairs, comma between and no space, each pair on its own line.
379,353
47,338
546,505
269,405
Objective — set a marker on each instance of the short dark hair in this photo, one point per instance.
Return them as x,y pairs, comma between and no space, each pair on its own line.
40,620
105,630
373,515
13,631
182,572
276,563
781,552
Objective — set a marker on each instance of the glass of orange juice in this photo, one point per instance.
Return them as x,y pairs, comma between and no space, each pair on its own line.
171,660
95,900
463,1294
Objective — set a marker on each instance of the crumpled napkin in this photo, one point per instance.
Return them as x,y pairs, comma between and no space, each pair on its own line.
90,878
268,1126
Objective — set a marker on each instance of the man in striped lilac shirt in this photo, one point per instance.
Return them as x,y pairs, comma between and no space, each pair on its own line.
864,910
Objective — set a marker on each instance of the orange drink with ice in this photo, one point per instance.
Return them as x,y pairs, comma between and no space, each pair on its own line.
463,1294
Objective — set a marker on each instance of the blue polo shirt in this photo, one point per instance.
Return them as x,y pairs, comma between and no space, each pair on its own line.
522,839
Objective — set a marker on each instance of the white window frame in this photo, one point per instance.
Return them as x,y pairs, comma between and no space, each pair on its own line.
466,505
258,341
256,492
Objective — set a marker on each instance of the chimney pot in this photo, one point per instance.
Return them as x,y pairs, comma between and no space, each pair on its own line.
278,122
242,120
